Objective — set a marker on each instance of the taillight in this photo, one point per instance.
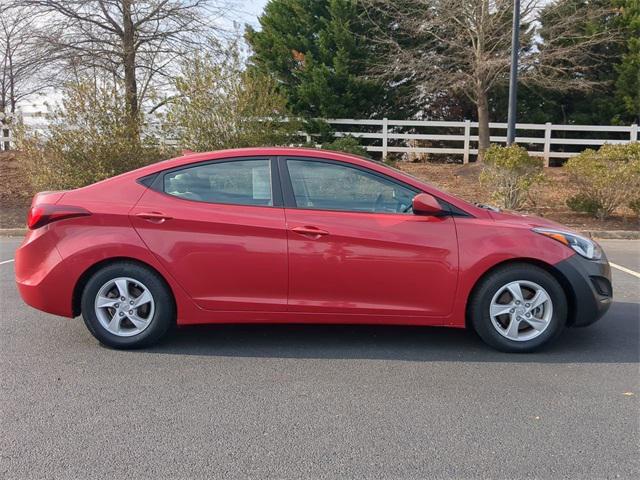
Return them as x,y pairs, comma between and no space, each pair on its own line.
40,215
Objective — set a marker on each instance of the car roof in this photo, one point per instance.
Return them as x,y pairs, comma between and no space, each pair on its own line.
256,151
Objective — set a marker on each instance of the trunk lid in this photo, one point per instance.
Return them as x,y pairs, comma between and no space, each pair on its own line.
50,198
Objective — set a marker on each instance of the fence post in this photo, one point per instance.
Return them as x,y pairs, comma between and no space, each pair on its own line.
634,133
385,139
547,143
5,133
467,140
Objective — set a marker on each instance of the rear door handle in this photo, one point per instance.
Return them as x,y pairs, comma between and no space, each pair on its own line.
311,232
154,217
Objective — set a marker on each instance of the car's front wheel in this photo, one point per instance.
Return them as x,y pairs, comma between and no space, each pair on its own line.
126,305
518,308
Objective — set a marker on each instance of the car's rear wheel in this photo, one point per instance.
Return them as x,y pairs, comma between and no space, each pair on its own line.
518,308
126,305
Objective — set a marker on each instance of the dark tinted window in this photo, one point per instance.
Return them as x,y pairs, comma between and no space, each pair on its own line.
330,186
241,182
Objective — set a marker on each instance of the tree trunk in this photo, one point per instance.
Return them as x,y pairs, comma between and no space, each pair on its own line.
484,135
129,58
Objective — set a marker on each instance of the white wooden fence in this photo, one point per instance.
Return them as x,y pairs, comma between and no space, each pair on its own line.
461,138
447,138
36,120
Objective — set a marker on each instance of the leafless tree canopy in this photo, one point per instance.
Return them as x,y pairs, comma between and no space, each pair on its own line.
446,43
566,53
23,60
464,46
134,41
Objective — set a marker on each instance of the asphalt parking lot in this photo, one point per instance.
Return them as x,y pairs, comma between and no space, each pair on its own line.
319,401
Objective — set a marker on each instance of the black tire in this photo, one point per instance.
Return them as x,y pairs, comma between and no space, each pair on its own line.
488,286
161,321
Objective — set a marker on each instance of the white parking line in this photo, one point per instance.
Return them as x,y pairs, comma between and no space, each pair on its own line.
6,261
624,269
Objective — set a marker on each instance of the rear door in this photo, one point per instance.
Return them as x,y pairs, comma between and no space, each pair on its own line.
219,228
355,247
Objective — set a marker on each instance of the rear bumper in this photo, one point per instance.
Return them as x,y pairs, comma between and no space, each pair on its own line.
590,282
41,278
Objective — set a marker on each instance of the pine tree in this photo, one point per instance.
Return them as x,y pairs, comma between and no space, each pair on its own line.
316,50
628,81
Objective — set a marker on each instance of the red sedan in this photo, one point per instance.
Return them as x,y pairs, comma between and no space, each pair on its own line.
302,236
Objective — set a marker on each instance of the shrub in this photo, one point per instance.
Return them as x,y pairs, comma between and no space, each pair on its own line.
606,179
635,205
510,172
582,203
221,105
347,145
88,139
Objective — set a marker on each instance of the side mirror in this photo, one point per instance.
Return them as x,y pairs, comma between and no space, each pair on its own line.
425,204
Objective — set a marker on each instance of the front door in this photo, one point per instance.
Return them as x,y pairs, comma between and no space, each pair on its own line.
355,246
219,229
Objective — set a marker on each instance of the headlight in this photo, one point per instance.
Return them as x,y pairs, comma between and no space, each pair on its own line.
585,247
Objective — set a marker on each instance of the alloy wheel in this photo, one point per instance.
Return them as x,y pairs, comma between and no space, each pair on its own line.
124,306
521,310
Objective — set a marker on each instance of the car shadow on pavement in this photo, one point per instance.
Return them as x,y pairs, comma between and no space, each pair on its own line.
614,339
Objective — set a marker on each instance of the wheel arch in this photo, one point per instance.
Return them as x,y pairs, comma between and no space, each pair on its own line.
562,280
76,298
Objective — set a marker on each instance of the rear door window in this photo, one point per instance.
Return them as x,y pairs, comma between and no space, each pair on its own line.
237,182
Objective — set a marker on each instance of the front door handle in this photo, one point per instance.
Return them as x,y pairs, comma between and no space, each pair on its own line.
154,217
311,232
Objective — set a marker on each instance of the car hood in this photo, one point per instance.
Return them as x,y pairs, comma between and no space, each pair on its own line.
532,221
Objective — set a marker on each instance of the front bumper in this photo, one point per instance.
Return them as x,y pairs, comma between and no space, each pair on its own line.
590,284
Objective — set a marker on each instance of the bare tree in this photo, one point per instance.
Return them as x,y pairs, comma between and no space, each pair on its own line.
24,62
464,46
576,38
134,41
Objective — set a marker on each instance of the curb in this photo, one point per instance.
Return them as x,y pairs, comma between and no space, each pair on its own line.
613,234
13,232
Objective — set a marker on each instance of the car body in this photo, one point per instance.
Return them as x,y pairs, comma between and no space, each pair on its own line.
294,235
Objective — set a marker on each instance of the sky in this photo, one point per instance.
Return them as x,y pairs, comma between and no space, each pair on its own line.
253,9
